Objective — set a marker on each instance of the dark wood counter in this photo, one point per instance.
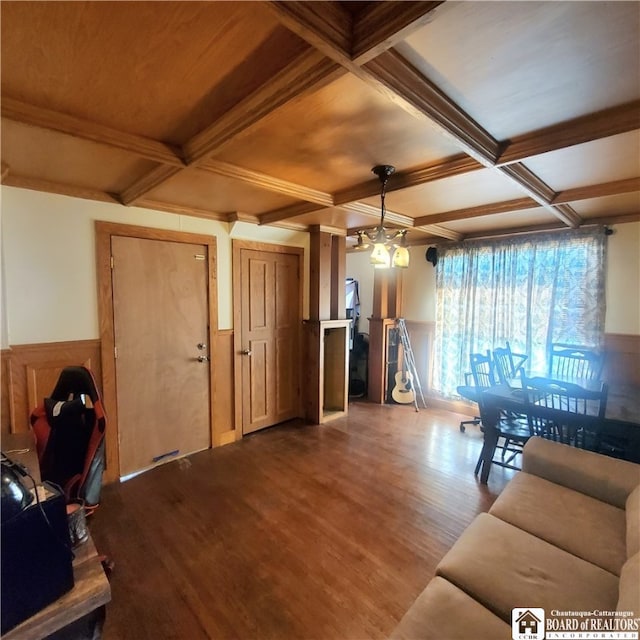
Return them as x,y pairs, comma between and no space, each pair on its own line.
91,589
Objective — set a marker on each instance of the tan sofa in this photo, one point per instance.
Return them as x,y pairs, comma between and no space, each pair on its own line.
564,535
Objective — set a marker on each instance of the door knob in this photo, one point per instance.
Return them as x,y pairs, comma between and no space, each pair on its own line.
246,352
201,346
203,358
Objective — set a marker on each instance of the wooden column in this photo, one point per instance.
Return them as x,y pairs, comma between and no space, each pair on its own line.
387,306
327,330
327,272
387,293
320,275
338,277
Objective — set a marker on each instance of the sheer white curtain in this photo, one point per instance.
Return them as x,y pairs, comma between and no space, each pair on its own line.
531,290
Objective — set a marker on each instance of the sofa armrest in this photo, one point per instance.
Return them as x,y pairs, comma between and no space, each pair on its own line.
601,477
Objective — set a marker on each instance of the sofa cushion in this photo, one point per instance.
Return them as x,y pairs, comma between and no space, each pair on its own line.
444,612
502,567
633,522
629,599
561,516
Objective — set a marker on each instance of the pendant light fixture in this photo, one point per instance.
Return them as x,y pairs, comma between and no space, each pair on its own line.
389,247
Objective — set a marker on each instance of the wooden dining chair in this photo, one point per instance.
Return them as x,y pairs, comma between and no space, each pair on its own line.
507,363
565,411
468,392
507,367
512,432
568,362
481,376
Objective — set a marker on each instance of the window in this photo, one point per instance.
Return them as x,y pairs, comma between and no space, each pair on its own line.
531,290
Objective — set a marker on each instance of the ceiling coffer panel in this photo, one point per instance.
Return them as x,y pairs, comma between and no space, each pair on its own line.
46,155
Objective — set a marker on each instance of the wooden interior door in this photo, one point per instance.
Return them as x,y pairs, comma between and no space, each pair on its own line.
270,337
160,305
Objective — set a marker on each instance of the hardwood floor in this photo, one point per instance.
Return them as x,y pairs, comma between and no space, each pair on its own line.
294,532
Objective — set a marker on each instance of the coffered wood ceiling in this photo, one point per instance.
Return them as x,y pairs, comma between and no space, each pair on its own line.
498,116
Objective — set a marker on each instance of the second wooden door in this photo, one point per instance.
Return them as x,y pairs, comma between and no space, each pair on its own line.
270,337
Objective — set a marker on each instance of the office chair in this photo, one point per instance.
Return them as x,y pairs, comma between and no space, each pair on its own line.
69,429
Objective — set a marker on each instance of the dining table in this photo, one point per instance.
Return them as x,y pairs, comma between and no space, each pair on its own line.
622,413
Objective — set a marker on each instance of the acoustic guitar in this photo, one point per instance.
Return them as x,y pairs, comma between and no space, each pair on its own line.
403,392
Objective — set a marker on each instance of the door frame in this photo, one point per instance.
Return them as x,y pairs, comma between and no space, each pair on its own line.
237,246
104,232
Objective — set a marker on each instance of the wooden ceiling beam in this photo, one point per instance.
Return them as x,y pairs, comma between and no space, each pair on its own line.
602,124
195,212
326,26
381,25
565,213
372,212
388,71
351,42
446,168
267,182
540,192
616,218
147,183
406,86
285,213
597,191
477,212
434,229
533,228
48,186
29,114
240,216
519,204
605,220
440,232
308,72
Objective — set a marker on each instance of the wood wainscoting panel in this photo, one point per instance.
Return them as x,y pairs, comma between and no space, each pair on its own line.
622,365
421,336
33,370
224,430
5,394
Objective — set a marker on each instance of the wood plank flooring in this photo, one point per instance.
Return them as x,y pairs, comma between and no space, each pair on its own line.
298,531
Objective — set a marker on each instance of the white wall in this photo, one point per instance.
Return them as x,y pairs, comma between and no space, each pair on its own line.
623,280
4,335
359,268
49,291
419,288
48,281
419,284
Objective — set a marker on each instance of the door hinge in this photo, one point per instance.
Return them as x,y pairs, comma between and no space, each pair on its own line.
199,256
115,352
111,262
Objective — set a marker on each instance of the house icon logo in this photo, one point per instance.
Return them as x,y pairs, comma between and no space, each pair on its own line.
527,623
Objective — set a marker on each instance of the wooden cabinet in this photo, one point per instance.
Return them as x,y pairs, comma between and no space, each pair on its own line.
326,367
